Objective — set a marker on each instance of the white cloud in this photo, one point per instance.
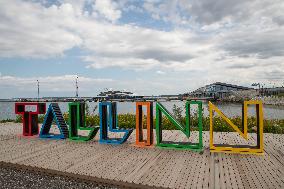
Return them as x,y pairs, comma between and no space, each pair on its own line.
160,72
125,63
64,83
108,9
168,11
232,42
31,30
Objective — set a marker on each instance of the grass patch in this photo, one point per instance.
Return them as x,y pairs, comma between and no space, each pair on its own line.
129,120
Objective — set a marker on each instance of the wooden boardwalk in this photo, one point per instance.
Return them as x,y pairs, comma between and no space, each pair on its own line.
151,166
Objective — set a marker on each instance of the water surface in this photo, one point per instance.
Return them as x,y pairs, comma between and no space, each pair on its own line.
7,109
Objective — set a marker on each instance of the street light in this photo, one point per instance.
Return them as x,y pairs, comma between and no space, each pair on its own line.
37,90
77,88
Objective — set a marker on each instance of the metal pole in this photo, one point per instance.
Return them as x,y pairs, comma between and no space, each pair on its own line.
37,90
77,88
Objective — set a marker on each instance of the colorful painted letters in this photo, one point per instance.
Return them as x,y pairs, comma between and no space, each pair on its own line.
109,123
77,121
185,129
139,124
54,113
258,149
30,118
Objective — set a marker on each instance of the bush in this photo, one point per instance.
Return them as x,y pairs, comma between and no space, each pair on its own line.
6,120
129,121
18,119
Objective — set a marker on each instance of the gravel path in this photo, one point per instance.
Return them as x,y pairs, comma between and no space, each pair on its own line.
18,179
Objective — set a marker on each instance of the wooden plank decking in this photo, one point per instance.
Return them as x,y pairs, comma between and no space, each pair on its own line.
151,166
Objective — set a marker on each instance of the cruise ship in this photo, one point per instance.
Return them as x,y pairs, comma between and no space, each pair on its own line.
117,94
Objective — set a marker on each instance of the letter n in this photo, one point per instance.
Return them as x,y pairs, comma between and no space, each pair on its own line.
185,129
243,149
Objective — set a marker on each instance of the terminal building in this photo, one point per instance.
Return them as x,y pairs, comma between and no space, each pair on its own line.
272,91
217,90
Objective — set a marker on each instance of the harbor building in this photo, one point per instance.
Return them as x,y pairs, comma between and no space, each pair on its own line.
217,90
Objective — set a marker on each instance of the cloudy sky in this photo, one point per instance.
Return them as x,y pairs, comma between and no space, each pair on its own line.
147,47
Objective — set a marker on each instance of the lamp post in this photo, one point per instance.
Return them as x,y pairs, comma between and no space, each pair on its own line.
77,88
37,90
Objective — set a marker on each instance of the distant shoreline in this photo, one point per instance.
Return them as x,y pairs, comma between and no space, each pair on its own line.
266,101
